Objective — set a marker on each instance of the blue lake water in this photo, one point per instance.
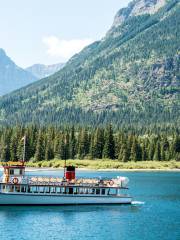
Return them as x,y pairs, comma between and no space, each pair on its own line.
155,215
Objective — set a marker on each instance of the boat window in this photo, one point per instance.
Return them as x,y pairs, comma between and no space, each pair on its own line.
58,190
86,191
103,191
41,189
20,172
53,190
90,190
23,189
93,191
112,191
36,189
47,190
81,190
118,192
16,171
32,189
97,191
11,188
70,190
17,188
75,190
6,188
11,172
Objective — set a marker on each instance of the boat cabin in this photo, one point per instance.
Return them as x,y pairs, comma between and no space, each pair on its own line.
13,172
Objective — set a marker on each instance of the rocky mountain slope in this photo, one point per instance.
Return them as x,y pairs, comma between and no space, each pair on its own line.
131,76
137,8
12,77
41,71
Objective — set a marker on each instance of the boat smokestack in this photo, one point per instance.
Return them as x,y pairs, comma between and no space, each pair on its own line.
70,173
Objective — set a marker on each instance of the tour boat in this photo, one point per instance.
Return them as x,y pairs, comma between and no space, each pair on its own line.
18,189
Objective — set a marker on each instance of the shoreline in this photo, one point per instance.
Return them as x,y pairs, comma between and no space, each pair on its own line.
30,169
44,169
104,165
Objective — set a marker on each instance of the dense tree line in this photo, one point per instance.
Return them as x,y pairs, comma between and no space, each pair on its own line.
46,143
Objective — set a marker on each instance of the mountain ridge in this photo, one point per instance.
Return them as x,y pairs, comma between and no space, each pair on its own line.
12,76
42,71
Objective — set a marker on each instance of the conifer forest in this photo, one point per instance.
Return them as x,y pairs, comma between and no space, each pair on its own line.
106,142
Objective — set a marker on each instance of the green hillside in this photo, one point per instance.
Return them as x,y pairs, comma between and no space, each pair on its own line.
131,76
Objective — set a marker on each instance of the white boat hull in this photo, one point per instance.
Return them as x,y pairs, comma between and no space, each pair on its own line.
44,199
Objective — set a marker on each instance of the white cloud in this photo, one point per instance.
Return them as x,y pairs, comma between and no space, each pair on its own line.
64,48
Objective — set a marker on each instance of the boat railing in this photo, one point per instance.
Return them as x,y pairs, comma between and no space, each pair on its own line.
56,181
61,181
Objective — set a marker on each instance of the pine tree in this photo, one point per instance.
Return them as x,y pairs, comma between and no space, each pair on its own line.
13,148
92,147
123,155
135,151
20,150
176,148
40,148
48,151
176,144
109,146
83,145
67,146
3,149
72,147
157,153
151,150
144,152
163,154
62,148
57,141
98,143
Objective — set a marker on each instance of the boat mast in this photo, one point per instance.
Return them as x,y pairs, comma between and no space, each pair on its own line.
24,150
64,168
65,163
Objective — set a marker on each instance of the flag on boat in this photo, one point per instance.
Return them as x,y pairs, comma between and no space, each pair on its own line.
23,138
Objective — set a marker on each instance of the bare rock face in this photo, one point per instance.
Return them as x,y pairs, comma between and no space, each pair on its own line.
147,7
137,7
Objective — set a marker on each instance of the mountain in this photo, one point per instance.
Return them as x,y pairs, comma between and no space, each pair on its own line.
12,77
131,76
136,8
42,71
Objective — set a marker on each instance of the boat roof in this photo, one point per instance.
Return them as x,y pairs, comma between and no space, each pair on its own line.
13,164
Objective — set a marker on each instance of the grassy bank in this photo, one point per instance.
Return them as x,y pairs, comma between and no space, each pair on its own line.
108,164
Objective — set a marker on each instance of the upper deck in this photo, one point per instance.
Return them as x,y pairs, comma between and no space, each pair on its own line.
14,173
79,182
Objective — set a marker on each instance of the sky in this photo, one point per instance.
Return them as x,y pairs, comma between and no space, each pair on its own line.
51,31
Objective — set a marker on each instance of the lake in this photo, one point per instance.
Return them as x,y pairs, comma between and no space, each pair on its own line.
155,213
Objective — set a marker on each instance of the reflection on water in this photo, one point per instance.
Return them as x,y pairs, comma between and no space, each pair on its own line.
73,209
